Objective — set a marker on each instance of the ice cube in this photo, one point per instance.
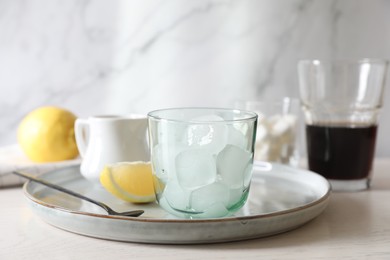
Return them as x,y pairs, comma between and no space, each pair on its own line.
170,133
216,210
158,158
234,196
263,140
231,164
262,150
248,174
170,212
281,125
236,137
275,135
177,197
274,152
206,196
262,133
210,135
163,163
290,119
195,168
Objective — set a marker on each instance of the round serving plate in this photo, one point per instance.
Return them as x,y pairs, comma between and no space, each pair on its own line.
281,198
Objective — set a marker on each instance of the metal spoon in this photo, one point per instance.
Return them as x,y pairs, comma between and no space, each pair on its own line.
110,211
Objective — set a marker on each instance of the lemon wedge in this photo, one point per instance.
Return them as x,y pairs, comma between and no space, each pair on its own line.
129,181
46,134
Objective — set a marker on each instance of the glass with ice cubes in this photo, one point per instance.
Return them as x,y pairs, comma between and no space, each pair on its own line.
277,130
202,159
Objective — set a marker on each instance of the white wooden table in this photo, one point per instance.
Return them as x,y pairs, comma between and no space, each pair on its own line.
355,225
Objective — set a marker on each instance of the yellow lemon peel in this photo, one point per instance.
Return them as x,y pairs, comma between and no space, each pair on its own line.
129,181
47,135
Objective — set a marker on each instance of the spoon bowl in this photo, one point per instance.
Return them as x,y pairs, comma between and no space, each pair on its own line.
110,211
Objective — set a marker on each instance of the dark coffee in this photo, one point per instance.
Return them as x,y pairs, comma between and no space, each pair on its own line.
341,152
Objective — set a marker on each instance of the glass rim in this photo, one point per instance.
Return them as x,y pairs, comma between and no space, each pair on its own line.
317,61
272,101
250,115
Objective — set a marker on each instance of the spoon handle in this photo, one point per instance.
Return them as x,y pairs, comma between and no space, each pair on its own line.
56,187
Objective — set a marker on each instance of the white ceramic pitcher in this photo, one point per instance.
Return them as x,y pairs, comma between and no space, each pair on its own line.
108,139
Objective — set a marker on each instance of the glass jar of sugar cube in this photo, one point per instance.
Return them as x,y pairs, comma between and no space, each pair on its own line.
277,129
202,159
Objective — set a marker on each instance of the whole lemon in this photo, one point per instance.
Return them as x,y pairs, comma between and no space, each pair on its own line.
47,135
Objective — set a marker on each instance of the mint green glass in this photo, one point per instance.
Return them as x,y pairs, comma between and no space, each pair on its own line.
202,159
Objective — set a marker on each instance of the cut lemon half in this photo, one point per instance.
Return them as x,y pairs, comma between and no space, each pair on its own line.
129,181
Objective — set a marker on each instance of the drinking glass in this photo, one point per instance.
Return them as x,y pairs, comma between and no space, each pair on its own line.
202,159
341,101
277,129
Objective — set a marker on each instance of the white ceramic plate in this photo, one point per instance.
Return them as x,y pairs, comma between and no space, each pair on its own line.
281,198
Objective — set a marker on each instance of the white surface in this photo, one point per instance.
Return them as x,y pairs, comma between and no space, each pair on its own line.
281,198
122,56
12,158
354,226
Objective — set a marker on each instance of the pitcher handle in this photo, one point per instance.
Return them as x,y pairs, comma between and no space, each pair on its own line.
82,135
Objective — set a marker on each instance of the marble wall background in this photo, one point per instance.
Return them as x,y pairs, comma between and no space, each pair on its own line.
132,56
